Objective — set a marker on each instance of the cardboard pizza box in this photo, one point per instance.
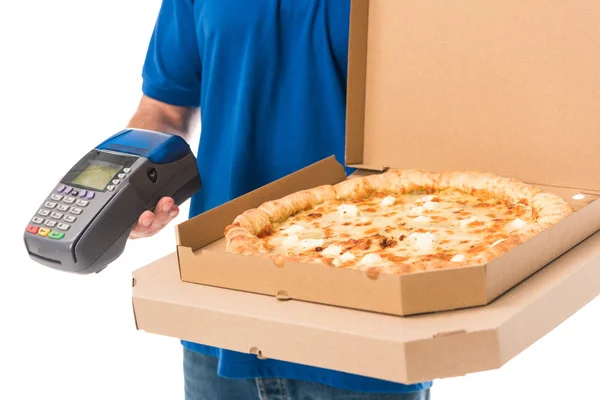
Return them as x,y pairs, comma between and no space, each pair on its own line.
399,349
509,88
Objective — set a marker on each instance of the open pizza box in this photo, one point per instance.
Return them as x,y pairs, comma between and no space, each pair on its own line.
438,87
509,88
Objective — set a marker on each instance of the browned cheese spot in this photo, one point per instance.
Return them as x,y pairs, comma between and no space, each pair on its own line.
387,242
398,259
476,223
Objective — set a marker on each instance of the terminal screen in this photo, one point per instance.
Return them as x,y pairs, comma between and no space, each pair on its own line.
97,174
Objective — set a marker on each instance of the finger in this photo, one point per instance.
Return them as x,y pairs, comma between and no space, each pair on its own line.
150,223
143,227
164,217
164,206
163,211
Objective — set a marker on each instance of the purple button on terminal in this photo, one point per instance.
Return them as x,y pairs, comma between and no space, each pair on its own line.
82,193
90,194
68,189
60,188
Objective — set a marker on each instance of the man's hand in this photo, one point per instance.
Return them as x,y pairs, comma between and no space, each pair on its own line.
151,223
158,116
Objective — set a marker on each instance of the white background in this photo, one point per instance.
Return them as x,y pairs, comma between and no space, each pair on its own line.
69,78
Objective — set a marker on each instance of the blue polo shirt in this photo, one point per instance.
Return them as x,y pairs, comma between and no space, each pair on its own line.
269,77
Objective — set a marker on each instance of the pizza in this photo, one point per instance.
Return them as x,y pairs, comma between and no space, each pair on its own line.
398,222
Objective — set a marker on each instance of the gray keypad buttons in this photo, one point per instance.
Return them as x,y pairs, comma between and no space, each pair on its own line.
70,218
63,227
75,210
127,170
110,188
116,181
37,220
121,176
62,207
82,203
56,197
50,223
44,213
56,215
49,204
69,200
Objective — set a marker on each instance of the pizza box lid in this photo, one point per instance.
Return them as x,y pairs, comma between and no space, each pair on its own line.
511,88
407,350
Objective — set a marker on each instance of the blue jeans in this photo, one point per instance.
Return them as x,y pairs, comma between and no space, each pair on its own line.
203,383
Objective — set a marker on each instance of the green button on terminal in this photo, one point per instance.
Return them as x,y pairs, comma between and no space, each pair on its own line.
56,235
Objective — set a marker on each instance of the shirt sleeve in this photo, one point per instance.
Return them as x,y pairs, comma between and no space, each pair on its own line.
172,68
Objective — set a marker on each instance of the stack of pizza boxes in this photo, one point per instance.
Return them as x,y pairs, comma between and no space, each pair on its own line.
512,89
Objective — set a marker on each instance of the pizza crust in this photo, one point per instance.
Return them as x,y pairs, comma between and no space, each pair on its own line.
246,235
485,184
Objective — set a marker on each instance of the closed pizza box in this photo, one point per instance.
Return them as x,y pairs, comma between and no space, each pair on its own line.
511,88
400,349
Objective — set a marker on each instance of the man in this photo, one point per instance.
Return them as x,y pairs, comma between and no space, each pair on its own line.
269,79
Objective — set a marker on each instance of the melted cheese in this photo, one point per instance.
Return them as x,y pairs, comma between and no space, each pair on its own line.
294,229
344,258
308,244
333,250
407,230
348,210
422,242
465,222
430,205
371,259
418,210
347,256
421,219
497,242
427,199
517,224
291,242
458,258
388,201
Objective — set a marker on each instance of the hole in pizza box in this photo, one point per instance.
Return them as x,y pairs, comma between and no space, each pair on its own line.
256,351
282,295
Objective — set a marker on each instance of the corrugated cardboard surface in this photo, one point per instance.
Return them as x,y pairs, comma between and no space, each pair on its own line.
401,349
511,87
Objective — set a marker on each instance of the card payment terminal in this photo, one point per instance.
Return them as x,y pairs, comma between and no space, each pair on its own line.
84,223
